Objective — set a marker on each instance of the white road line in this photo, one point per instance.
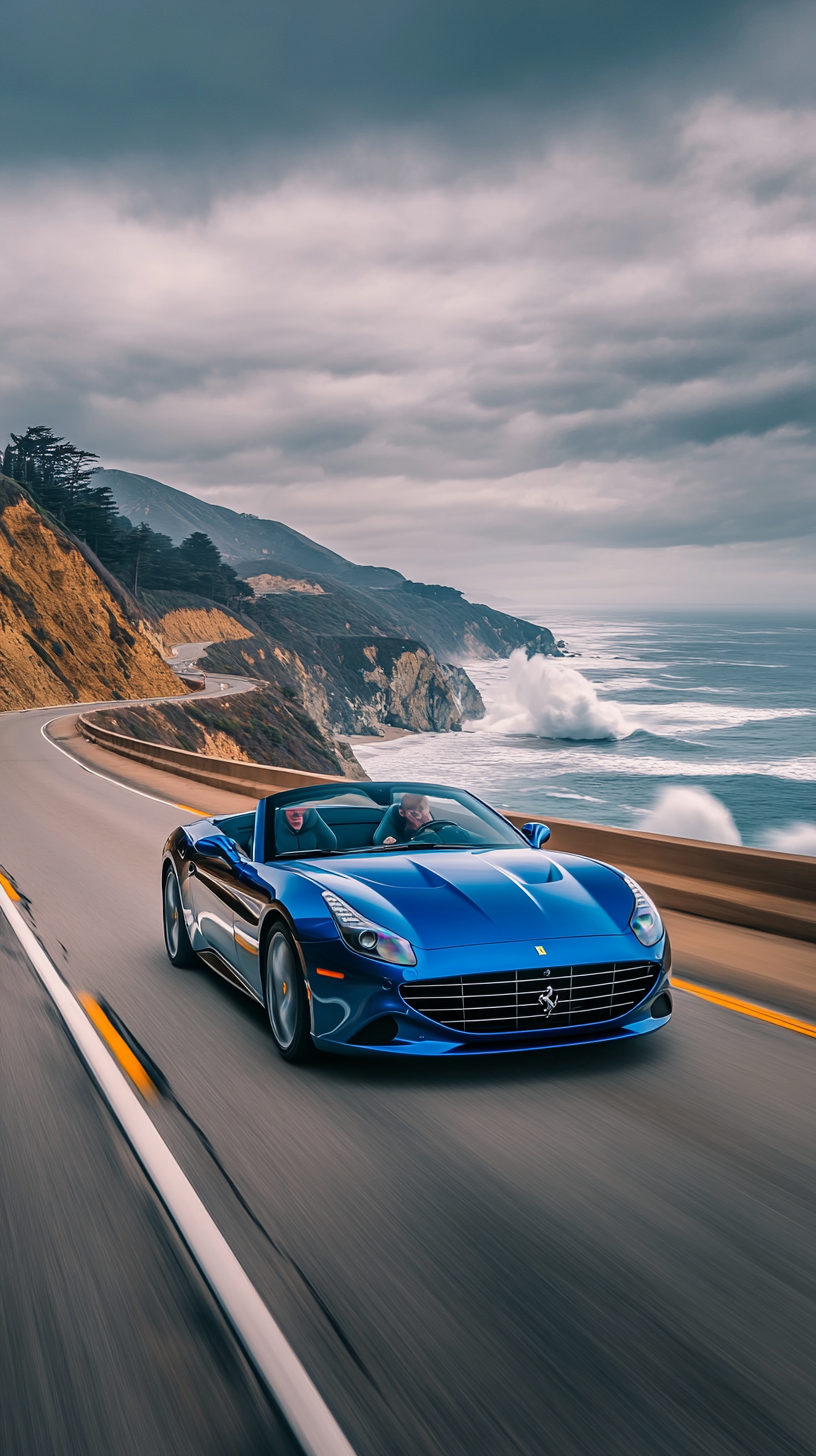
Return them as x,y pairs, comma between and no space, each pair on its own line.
157,799
261,1337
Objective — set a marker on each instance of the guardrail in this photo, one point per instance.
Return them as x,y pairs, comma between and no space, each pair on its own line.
757,888
239,777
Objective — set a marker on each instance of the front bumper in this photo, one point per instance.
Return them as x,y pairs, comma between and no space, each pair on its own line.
358,1009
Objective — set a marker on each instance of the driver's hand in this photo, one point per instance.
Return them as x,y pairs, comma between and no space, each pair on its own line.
390,840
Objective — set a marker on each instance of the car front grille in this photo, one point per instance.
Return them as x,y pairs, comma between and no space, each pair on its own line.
519,1001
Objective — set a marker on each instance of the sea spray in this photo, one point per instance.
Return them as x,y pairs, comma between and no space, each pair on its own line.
549,699
797,838
689,812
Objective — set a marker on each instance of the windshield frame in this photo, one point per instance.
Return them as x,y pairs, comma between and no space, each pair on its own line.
382,794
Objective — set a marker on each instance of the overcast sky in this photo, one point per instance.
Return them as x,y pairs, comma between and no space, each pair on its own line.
520,297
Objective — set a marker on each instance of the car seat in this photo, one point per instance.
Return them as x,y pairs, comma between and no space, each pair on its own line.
314,833
392,825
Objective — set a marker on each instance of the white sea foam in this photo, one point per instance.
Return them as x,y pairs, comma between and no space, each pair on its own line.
457,757
543,696
690,812
798,838
548,699
669,720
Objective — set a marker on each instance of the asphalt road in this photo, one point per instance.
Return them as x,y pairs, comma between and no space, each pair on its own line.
594,1251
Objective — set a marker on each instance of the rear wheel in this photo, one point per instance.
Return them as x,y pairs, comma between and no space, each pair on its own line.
286,1001
176,938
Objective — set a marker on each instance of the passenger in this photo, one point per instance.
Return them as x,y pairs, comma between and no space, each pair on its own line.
298,829
404,820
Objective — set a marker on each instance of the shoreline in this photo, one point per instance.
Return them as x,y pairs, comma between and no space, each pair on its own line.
386,736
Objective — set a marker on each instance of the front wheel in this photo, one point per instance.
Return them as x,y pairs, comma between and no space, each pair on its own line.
176,938
286,1000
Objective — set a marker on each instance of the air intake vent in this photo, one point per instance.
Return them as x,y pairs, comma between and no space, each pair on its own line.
519,1001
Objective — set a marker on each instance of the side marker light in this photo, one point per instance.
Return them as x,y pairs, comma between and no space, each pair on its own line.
335,975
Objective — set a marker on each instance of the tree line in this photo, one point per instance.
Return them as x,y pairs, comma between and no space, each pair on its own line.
60,478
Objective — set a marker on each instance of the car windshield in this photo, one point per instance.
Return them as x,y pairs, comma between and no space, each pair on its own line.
384,818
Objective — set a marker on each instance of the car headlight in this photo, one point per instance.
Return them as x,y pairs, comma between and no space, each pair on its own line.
645,918
367,938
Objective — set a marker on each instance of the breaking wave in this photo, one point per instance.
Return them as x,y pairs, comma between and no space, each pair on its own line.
689,812
544,697
798,838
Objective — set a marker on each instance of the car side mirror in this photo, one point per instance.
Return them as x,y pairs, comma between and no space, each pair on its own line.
535,834
218,846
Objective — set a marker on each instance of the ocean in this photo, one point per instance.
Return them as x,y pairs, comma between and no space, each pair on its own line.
696,724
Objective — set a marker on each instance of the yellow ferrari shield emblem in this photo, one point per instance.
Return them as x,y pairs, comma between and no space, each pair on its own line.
541,950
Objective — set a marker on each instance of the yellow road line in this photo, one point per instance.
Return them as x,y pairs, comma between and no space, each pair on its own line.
9,888
747,1008
118,1046
205,813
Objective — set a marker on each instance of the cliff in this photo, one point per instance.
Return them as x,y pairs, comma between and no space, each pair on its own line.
438,616
184,618
65,632
355,684
282,563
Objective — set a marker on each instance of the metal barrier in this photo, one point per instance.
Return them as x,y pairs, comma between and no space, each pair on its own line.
252,779
757,888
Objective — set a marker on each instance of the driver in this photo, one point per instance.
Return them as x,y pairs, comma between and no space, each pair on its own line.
413,811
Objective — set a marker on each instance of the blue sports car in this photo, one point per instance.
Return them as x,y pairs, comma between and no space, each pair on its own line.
412,919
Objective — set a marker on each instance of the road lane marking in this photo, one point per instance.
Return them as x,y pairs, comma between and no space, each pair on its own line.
157,798
747,1008
118,1046
261,1337
9,888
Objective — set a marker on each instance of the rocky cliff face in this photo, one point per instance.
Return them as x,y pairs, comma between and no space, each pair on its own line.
197,620
65,635
356,684
437,616
392,681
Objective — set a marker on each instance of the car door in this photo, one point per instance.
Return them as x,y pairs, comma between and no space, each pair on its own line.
251,899
213,887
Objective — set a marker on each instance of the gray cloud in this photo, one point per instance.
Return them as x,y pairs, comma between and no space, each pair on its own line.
463,290
167,77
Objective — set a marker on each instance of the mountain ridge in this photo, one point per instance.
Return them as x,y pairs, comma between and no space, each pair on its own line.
237,535
347,597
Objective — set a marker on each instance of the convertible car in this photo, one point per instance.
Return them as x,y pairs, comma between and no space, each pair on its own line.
413,920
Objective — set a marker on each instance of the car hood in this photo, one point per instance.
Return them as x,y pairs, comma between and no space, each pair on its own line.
477,897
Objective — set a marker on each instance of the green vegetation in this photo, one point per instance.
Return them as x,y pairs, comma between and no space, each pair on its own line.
60,479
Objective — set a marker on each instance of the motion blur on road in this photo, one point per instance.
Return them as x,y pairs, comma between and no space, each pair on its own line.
601,1250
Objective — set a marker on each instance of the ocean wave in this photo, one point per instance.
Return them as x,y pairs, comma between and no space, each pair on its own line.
690,812
544,697
797,838
431,753
670,720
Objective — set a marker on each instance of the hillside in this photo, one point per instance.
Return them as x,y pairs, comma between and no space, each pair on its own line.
301,582
345,682
438,616
64,633
258,727
237,536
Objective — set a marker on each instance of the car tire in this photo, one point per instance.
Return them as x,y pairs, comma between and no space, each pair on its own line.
176,939
287,1004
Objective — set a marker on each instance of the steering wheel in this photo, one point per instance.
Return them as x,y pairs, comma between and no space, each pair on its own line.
434,824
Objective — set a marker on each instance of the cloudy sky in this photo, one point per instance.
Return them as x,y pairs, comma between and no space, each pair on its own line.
518,296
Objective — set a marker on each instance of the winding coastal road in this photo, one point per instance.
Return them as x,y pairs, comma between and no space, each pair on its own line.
605,1250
